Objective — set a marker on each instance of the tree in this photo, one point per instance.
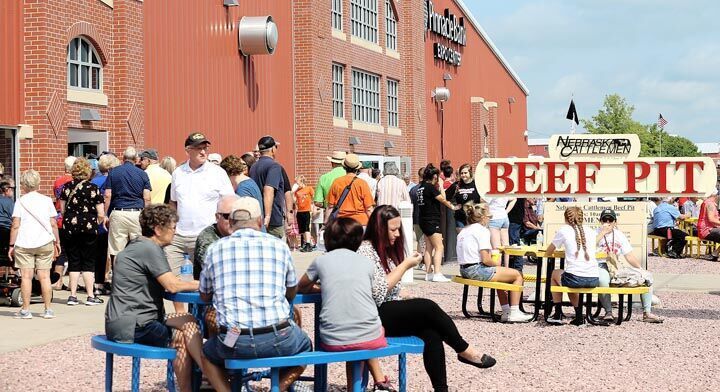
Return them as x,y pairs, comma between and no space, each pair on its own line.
616,117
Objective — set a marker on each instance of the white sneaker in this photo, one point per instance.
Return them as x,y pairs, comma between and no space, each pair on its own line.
504,317
429,277
519,317
440,278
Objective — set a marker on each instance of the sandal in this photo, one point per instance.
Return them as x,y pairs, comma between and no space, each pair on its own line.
651,318
608,317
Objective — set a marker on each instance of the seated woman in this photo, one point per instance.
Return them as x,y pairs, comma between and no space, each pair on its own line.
349,318
581,267
135,312
384,244
709,222
614,242
474,256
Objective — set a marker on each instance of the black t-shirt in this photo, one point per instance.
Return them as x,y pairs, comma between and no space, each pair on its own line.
267,171
465,193
517,213
428,205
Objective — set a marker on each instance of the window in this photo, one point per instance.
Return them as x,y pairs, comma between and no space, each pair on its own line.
84,67
364,19
366,97
392,103
390,27
336,14
338,86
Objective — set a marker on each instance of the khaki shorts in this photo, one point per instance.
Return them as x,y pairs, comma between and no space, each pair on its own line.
276,231
175,252
124,226
40,258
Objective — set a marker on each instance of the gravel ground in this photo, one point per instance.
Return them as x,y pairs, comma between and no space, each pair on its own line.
682,266
633,356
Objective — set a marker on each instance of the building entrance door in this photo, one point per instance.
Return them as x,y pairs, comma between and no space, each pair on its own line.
81,143
9,152
379,161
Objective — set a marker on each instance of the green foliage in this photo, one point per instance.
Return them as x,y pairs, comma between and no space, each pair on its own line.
616,117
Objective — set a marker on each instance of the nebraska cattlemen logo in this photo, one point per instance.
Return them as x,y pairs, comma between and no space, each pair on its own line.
596,165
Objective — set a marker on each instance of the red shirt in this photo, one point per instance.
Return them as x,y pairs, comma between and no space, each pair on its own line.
58,187
704,226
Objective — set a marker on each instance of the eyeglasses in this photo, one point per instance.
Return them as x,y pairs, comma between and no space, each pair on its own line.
607,220
200,148
224,215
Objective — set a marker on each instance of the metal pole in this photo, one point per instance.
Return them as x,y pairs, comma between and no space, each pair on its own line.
661,142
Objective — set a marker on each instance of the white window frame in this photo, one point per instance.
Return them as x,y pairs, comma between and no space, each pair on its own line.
393,92
92,63
338,90
336,14
366,97
390,27
364,19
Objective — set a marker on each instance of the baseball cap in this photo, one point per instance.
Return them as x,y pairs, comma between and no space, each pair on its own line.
266,143
608,213
195,139
215,157
150,153
245,209
367,165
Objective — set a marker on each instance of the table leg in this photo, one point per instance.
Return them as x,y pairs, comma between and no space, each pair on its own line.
621,308
629,307
548,280
464,300
321,369
108,372
538,282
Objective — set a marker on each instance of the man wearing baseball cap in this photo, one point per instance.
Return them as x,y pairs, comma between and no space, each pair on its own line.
359,202
159,178
613,241
196,188
275,186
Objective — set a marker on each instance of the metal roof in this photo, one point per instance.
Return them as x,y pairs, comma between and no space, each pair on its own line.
708,148
538,142
492,46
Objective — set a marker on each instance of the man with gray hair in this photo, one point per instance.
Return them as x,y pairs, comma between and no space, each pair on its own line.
250,279
391,189
220,229
159,178
127,192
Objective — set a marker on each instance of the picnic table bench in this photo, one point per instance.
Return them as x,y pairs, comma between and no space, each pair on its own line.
591,317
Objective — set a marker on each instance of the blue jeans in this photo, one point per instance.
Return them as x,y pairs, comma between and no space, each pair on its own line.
646,298
578,282
478,271
516,262
281,343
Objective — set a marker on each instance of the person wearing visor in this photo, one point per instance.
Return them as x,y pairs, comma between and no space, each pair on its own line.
613,241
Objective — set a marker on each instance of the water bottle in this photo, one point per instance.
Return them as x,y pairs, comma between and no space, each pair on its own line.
186,269
540,239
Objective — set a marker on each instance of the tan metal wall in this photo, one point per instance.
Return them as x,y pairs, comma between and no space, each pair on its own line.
11,62
196,79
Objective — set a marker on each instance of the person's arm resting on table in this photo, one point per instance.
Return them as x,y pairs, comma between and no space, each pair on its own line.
173,285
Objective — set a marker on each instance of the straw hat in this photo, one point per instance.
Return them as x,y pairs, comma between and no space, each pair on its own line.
352,162
337,157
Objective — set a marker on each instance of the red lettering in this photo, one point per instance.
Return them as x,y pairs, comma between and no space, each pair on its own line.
524,176
632,177
662,176
552,177
689,174
583,176
495,178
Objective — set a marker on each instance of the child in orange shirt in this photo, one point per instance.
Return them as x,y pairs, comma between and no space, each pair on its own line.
304,200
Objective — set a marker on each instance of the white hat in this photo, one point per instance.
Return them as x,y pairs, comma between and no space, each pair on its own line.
215,158
245,209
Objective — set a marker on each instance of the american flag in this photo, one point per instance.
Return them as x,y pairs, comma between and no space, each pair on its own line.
661,121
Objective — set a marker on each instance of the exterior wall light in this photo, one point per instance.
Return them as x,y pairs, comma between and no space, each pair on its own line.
257,35
230,3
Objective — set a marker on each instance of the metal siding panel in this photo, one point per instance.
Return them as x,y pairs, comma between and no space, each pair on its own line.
198,80
11,63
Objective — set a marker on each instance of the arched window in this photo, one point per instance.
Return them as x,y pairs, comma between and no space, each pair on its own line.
84,66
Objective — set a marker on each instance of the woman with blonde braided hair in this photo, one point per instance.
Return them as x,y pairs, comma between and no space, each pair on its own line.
581,267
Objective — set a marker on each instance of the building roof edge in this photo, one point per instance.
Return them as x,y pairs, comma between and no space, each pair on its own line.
492,46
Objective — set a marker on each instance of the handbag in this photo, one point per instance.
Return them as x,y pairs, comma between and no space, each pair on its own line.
613,261
343,196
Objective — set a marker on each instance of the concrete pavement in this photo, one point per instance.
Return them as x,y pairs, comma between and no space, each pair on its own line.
79,320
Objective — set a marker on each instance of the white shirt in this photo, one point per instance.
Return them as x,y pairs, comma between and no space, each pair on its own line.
197,193
471,240
619,243
34,233
371,182
391,190
497,207
577,265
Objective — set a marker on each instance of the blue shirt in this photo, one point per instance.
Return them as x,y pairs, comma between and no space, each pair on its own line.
6,209
248,274
665,215
250,189
268,172
127,183
99,180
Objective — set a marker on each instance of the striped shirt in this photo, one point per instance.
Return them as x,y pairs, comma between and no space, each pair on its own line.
248,273
391,190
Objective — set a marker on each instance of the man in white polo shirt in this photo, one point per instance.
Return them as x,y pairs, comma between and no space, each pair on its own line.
196,188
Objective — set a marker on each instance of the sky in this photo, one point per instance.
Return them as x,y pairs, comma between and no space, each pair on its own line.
661,56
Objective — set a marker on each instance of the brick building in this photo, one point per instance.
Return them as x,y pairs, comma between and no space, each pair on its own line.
92,75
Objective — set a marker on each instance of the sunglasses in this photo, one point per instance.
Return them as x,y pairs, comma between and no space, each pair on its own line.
224,215
607,220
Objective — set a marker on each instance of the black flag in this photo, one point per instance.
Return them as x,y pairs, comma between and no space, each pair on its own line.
572,113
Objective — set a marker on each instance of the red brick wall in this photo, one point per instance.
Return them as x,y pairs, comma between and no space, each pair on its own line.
49,26
316,49
538,150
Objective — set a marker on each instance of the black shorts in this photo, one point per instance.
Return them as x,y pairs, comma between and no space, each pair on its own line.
430,227
713,236
81,252
303,221
4,247
153,333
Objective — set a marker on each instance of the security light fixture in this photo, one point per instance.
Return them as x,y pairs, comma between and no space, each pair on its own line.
389,144
353,140
230,3
511,100
89,115
447,76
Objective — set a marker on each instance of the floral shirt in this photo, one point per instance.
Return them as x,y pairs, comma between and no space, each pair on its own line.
80,210
380,291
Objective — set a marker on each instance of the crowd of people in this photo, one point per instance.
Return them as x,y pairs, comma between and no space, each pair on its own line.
129,225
